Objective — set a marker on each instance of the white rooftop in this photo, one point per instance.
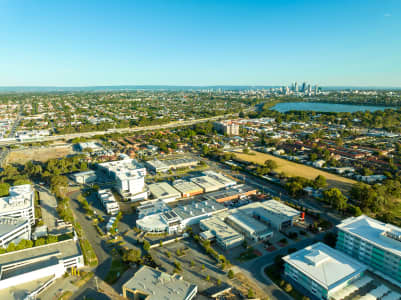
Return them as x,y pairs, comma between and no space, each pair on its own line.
385,236
327,266
163,190
125,168
185,186
220,229
20,197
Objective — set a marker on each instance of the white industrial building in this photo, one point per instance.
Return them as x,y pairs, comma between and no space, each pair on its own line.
226,181
164,191
248,226
129,178
187,188
151,207
19,203
274,213
152,284
84,177
157,166
226,237
320,271
109,202
177,219
208,184
13,230
41,264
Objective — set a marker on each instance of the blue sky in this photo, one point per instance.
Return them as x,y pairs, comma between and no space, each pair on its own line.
78,43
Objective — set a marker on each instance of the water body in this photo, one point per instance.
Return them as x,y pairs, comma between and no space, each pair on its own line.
326,107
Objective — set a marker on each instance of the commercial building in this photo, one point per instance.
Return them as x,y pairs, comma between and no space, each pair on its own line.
177,219
226,181
150,207
92,146
208,184
48,261
152,284
248,226
230,194
13,230
108,201
187,188
84,177
372,242
129,178
164,191
320,271
274,213
227,127
19,203
156,166
215,229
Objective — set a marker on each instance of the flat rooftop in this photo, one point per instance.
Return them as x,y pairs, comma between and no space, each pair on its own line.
207,182
325,265
8,224
229,192
63,250
20,197
125,168
382,235
248,223
219,177
163,190
198,208
160,285
220,229
179,161
185,186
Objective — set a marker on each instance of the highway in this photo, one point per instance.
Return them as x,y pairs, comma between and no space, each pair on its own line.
14,141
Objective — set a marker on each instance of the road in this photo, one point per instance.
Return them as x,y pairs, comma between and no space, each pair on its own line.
119,130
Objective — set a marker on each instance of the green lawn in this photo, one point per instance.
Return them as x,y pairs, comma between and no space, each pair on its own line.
118,267
248,254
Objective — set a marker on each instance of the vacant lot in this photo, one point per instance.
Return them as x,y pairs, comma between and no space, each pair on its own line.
294,169
38,154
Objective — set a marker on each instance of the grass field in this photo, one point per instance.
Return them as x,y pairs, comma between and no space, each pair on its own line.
38,154
294,169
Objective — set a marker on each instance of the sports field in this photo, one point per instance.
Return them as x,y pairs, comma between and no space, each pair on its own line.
294,169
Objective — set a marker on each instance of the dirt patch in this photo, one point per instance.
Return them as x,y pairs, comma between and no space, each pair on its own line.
294,169
243,284
38,154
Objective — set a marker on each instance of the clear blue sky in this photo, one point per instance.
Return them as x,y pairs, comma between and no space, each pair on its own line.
78,43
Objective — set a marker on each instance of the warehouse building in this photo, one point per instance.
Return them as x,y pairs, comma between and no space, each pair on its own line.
13,230
164,191
129,178
274,213
320,271
179,163
109,202
19,203
229,194
156,166
187,188
372,242
226,181
84,177
208,184
151,284
33,264
177,219
215,229
248,226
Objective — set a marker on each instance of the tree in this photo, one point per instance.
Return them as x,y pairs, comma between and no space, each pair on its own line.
330,239
251,294
230,274
207,277
320,182
146,245
4,188
132,255
335,198
288,288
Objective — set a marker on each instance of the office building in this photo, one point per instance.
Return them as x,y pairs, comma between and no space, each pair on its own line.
156,166
230,194
19,203
227,127
151,207
128,176
274,213
226,181
151,284
187,188
13,230
163,191
109,202
208,184
84,177
376,244
215,229
320,271
248,226
49,261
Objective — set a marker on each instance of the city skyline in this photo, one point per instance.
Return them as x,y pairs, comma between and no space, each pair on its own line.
234,43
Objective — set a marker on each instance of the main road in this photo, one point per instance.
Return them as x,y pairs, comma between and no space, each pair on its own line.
118,130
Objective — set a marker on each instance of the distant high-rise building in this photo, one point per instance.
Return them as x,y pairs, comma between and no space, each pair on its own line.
296,87
316,89
303,89
309,89
227,127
